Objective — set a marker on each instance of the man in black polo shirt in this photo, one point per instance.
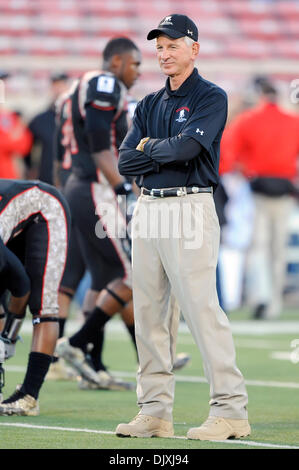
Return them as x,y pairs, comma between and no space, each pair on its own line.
173,150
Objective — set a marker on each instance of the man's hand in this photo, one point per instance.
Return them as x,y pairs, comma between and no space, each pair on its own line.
142,143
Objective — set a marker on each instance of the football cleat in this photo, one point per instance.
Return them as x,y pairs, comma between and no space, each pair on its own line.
181,360
76,359
106,382
19,404
59,371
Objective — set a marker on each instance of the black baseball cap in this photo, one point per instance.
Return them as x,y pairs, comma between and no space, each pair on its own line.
175,26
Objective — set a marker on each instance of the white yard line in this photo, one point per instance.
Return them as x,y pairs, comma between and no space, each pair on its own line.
246,327
188,378
95,431
199,379
260,344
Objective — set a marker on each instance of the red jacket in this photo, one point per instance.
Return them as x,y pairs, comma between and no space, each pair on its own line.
262,142
15,141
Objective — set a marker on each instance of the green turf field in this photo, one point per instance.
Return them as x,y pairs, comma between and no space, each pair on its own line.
74,419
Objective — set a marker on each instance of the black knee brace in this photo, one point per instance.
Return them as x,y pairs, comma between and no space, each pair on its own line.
116,297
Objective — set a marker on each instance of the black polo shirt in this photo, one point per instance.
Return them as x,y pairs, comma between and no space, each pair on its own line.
185,128
43,129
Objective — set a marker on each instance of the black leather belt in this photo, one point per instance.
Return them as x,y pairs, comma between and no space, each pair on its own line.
173,192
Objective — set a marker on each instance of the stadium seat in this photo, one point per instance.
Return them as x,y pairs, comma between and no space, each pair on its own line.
261,29
248,49
287,9
287,48
6,46
75,29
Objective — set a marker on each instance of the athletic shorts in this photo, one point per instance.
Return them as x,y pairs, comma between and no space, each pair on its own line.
40,241
75,266
106,255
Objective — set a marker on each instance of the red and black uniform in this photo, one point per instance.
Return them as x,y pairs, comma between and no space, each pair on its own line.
63,134
34,225
75,266
95,119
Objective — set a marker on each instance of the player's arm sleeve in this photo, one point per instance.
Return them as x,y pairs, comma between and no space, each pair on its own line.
132,162
102,103
121,128
98,124
202,128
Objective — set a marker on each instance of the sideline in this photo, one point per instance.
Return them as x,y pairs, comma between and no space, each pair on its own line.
94,431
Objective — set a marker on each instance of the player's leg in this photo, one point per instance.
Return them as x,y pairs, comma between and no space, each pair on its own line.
45,257
281,208
115,298
106,262
73,274
88,338
258,282
74,271
14,291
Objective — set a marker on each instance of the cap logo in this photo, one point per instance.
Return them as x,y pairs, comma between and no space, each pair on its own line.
167,20
190,32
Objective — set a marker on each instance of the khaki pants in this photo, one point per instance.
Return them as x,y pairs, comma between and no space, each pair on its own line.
267,255
175,249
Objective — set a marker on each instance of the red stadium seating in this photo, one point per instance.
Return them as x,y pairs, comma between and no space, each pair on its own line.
248,30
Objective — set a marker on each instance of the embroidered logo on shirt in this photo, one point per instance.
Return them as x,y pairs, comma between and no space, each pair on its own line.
182,114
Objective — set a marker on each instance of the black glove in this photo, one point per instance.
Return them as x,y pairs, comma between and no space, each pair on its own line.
123,188
126,199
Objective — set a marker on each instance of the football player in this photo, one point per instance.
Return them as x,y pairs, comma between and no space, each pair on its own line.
34,228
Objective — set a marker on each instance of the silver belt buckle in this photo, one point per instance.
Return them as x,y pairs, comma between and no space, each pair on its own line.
181,192
152,193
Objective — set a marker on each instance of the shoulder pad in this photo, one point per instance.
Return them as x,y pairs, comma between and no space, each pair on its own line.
103,91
